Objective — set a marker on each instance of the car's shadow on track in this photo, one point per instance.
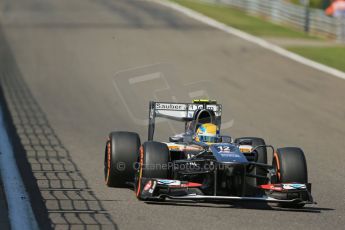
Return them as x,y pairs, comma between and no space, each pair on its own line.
275,207
236,205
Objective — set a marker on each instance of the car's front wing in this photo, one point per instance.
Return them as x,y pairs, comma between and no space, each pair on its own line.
159,189
205,198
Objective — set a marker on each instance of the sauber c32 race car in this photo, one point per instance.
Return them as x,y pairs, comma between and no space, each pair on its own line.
188,168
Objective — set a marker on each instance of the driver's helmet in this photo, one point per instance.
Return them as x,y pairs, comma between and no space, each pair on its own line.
207,132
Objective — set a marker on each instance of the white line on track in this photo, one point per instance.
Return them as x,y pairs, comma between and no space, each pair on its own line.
248,37
19,208
147,77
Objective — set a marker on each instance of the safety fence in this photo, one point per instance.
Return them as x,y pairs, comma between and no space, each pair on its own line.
313,21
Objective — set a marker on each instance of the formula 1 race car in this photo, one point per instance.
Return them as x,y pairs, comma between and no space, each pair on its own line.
202,165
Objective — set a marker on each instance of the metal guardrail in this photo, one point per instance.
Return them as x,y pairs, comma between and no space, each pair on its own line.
310,20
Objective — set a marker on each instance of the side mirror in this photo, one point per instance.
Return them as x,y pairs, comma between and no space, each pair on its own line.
225,139
176,139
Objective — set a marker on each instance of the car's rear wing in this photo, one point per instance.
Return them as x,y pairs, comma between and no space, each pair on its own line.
180,111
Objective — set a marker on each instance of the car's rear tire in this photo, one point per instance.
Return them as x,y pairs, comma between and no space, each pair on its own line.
291,166
153,163
262,154
121,155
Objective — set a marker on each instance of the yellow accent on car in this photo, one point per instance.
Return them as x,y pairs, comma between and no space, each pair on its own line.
174,147
204,101
246,148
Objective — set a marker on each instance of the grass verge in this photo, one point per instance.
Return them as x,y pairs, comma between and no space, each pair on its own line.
331,56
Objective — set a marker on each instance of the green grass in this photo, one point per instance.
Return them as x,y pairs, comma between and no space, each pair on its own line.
331,56
240,20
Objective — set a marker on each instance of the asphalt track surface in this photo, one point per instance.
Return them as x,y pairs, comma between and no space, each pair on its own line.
72,71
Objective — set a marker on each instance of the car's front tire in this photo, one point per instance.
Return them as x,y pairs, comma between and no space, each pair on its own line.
121,155
291,167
